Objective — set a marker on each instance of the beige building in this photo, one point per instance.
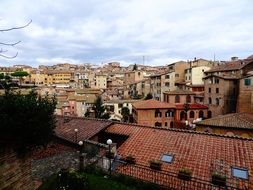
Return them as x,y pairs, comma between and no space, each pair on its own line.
194,75
245,97
133,76
101,81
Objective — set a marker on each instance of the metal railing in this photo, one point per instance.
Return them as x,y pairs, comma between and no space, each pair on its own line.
170,180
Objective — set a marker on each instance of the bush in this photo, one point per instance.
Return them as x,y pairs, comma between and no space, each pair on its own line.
26,120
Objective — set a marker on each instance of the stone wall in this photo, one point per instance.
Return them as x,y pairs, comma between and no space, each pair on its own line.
15,173
43,168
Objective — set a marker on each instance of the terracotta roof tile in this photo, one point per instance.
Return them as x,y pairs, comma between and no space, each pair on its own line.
235,120
87,128
193,150
179,92
192,106
152,104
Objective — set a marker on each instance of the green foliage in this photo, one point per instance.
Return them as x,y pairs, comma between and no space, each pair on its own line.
100,109
149,96
27,120
125,113
1,76
19,74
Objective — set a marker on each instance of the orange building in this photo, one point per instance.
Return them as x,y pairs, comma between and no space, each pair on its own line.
154,113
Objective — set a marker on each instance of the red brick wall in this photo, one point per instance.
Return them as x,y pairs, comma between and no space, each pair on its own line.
15,173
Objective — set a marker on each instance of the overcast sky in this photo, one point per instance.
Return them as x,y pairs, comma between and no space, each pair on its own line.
101,31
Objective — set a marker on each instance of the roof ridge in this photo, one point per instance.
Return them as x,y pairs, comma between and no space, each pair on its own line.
184,130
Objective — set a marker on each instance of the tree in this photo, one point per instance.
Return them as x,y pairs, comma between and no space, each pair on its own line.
135,67
99,109
27,121
20,75
5,44
125,113
149,96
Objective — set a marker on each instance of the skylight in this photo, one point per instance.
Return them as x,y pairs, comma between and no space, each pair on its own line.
167,158
240,173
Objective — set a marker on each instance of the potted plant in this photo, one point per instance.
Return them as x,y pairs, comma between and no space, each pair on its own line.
130,159
218,179
155,164
185,174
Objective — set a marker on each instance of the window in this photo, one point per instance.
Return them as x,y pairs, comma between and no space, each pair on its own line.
192,114
167,76
201,114
176,75
166,124
171,124
247,82
188,98
209,114
217,81
158,124
167,158
209,90
169,113
167,84
209,100
217,90
240,173
177,99
217,101
158,113
182,115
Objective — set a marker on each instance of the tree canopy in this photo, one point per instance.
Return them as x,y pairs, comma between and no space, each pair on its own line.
148,96
19,74
135,67
99,109
125,113
27,120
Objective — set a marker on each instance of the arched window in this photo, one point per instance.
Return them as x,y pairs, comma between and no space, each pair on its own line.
169,113
192,114
217,101
188,98
201,114
182,115
171,124
177,99
209,114
158,124
158,113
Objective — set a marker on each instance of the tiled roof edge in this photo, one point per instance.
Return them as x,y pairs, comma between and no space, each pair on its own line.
186,131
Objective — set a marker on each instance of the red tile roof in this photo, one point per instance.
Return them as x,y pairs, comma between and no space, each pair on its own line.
234,120
152,104
183,92
191,106
230,66
87,128
193,150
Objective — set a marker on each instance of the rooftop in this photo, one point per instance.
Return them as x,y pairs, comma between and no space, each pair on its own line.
152,104
87,128
234,120
175,92
191,106
193,150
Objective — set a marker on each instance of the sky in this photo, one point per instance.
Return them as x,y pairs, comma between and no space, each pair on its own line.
153,32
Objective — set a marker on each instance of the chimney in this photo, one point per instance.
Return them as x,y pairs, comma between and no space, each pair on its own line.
234,58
